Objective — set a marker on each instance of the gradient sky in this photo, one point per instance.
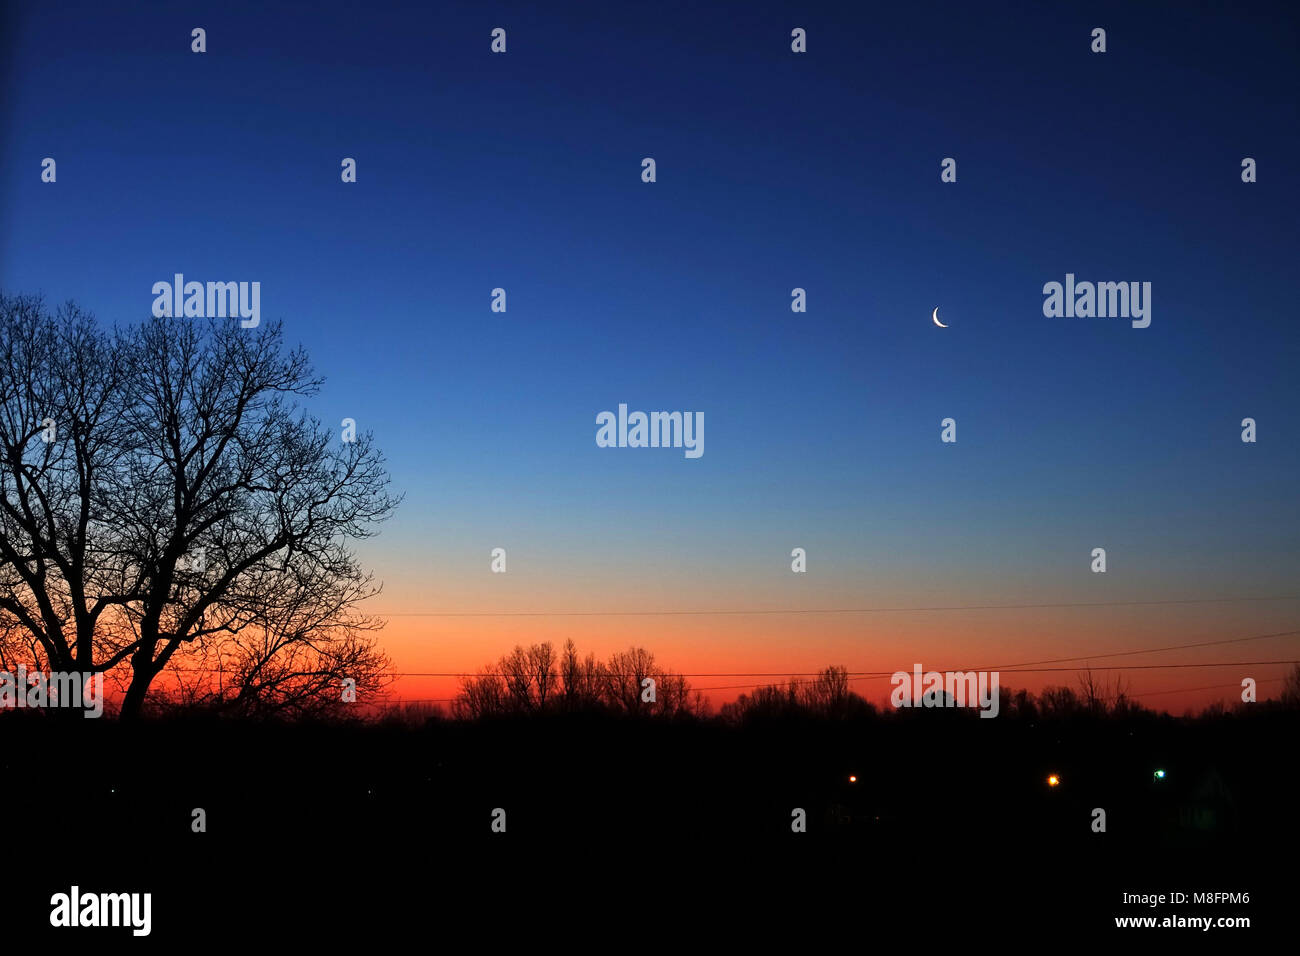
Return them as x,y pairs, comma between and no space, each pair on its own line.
775,170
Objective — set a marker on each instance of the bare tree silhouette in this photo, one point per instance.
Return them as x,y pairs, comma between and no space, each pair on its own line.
825,696
535,679
1290,695
163,501
1099,697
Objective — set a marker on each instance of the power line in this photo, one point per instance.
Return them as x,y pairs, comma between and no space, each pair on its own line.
1145,667
1038,670
836,610
1188,690
1151,650
1026,667
864,674
1057,660
1148,693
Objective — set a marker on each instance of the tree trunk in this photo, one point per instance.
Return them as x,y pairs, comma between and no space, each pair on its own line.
135,694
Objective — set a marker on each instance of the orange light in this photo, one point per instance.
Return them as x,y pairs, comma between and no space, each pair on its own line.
853,778
1053,780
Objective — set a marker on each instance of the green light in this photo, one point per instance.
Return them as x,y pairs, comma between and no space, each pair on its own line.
1160,775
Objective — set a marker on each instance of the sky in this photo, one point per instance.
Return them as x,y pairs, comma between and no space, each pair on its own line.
774,171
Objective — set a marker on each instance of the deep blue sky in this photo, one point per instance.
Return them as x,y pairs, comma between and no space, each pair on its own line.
774,171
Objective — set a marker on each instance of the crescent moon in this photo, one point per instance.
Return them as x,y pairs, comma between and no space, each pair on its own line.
935,316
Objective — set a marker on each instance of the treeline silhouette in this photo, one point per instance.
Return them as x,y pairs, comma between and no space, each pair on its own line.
537,680
629,797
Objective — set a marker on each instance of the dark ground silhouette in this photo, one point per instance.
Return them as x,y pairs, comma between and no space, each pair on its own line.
342,829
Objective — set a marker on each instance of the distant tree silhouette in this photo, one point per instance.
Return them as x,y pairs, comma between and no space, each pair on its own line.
164,502
767,703
1024,704
483,695
1058,702
828,693
581,680
535,679
623,678
1291,688
1098,697
825,696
